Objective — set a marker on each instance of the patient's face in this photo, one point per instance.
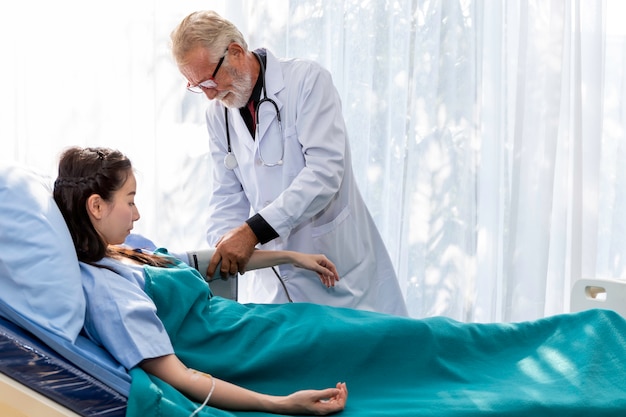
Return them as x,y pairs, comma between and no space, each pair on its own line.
119,214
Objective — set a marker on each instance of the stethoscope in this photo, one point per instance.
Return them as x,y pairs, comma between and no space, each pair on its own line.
230,161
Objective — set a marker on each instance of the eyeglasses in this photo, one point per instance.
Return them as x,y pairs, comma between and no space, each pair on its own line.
210,83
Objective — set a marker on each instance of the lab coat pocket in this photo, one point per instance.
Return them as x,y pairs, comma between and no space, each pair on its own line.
294,158
340,240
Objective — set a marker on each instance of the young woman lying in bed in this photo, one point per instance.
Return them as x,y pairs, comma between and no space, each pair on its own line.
159,319
95,191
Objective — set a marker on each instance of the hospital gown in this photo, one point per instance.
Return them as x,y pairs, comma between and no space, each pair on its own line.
120,316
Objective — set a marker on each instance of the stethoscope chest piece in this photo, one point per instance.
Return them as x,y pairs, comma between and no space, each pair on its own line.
230,162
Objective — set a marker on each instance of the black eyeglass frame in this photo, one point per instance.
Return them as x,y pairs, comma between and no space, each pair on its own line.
210,83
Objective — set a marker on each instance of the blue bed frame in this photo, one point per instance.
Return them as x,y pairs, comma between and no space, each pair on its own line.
28,360
80,376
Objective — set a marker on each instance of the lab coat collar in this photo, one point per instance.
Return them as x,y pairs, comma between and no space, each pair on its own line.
274,83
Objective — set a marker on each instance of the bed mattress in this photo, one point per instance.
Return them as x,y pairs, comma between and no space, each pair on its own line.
27,360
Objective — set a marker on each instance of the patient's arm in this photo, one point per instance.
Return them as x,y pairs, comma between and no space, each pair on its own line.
197,385
315,262
325,269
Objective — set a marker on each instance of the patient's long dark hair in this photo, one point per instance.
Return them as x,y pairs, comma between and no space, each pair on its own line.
87,171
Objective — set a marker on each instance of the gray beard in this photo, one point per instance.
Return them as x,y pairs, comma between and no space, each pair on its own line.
241,91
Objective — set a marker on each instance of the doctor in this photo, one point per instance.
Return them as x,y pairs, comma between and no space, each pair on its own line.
282,173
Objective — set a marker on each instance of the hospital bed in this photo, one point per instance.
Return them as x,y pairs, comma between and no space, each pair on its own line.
43,374
609,294
71,381
47,376
37,380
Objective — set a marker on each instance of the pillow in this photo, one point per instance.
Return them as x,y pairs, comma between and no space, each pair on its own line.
39,275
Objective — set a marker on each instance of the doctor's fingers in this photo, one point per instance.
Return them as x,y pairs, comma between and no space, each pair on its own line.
213,264
227,267
232,265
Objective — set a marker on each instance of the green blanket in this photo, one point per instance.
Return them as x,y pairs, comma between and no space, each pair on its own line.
565,365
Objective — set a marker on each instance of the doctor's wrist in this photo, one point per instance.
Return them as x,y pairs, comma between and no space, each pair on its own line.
261,229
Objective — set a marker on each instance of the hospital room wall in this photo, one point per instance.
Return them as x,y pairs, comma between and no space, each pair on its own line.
487,136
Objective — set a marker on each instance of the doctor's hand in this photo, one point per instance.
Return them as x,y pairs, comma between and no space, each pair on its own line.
233,250
319,263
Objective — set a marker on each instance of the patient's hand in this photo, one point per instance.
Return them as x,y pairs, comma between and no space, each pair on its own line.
316,402
319,263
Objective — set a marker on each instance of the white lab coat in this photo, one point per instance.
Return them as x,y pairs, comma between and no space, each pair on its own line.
311,200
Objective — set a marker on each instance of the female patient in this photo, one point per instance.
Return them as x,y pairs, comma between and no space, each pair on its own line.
95,191
271,354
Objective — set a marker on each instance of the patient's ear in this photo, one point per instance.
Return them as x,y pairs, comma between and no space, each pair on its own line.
95,206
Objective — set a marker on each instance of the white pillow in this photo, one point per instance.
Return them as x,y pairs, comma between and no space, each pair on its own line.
39,275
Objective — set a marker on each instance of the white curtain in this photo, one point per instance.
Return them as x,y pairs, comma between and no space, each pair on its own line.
487,136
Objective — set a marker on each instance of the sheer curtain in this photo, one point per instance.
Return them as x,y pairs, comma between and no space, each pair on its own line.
487,136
